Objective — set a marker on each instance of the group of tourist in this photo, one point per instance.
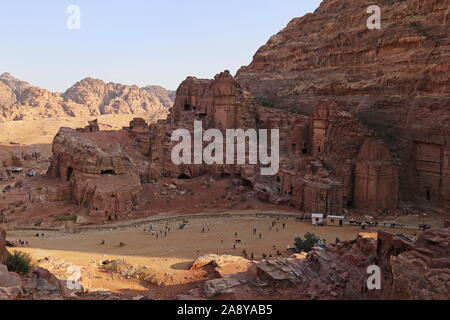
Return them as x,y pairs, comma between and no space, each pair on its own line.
160,232
23,243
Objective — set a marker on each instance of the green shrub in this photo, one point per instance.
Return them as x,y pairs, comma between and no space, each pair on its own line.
18,262
218,294
307,243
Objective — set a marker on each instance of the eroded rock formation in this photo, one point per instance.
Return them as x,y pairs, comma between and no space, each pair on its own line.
394,80
89,97
318,154
103,169
362,114
409,270
3,251
323,158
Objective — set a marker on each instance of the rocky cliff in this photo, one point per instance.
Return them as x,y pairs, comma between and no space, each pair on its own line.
394,80
409,270
89,97
2,245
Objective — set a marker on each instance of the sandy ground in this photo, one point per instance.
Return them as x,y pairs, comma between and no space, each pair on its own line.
172,254
42,132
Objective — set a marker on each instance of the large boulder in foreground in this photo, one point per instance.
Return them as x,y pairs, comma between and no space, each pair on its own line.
222,264
10,284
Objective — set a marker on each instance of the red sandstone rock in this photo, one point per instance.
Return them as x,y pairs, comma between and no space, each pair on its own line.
394,81
3,251
89,97
320,162
103,169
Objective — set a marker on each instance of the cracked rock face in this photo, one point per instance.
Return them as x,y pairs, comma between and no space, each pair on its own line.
394,80
10,284
103,170
421,271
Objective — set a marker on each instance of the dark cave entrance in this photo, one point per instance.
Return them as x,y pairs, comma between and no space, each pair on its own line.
305,149
184,176
69,173
247,183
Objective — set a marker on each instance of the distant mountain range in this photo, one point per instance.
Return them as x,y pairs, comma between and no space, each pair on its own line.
88,97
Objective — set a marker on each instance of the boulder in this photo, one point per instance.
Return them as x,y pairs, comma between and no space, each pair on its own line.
222,264
220,287
10,284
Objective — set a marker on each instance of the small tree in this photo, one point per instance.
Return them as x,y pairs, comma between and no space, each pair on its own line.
18,262
307,243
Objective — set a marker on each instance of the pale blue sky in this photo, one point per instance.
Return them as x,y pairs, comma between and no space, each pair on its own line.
137,41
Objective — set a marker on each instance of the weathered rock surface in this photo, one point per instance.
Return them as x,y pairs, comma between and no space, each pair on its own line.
89,97
363,118
222,264
319,155
420,271
220,287
394,80
103,169
3,251
10,284
410,271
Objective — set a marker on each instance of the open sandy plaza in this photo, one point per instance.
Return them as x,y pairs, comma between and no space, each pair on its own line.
172,252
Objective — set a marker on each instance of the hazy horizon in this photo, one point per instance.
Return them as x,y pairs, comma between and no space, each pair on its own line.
137,43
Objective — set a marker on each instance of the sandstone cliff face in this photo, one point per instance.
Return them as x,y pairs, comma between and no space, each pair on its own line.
89,97
2,245
323,157
103,169
394,80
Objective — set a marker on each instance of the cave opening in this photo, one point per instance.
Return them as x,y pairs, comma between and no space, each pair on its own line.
291,191
183,176
305,149
69,173
107,172
247,183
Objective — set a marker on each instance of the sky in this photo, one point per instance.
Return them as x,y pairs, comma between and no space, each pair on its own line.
138,42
